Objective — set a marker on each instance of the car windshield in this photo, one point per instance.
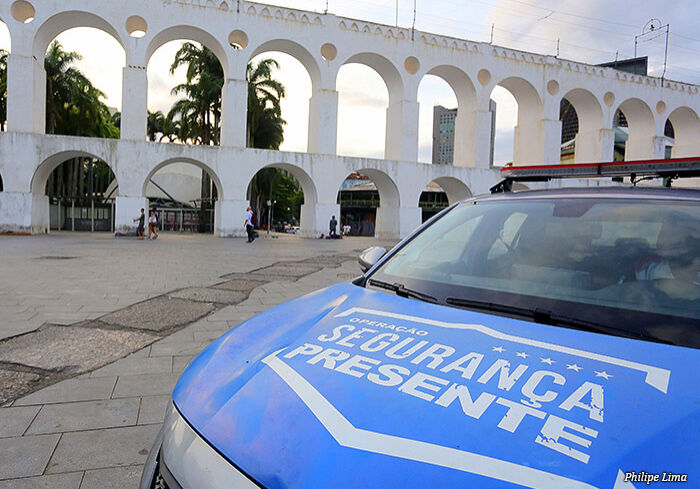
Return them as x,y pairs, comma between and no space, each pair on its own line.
628,266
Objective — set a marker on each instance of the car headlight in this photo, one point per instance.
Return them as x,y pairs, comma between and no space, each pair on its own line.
187,461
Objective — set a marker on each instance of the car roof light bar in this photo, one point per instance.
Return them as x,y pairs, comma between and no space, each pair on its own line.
669,170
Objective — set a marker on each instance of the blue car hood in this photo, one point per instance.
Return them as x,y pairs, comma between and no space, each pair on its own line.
354,388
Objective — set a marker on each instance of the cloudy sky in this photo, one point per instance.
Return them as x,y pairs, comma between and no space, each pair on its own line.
593,31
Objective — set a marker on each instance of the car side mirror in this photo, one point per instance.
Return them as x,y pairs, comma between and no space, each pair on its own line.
370,257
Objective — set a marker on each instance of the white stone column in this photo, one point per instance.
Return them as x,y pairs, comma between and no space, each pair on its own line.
692,148
229,218
134,103
402,131
659,148
26,94
640,146
595,146
128,209
464,138
409,220
483,139
234,107
388,224
323,122
537,142
24,213
315,219
552,141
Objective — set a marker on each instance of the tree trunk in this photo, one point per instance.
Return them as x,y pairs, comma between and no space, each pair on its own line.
76,172
91,176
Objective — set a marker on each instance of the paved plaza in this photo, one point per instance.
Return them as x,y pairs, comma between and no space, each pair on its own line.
94,332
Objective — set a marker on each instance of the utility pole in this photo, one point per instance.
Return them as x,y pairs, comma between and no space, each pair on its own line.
557,48
325,12
397,13
652,27
492,27
413,27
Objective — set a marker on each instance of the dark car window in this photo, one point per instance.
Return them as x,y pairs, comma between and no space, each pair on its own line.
626,263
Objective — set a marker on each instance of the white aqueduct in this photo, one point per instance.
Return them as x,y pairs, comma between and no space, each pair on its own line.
322,43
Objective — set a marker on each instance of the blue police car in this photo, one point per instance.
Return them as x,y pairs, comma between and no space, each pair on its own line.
538,339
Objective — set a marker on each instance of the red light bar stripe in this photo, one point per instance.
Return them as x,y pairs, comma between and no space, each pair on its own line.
602,165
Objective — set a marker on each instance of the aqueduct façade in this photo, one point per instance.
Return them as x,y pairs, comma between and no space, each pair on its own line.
237,31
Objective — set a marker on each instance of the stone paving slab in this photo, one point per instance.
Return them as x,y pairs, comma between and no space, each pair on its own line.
89,415
57,481
153,408
25,456
206,294
298,268
282,273
72,390
189,348
116,478
78,349
12,384
97,449
181,362
14,421
159,314
133,364
242,282
145,385
335,259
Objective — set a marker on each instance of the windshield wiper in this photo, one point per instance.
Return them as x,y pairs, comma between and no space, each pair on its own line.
402,291
543,316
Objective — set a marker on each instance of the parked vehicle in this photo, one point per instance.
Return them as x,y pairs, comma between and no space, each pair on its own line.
543,339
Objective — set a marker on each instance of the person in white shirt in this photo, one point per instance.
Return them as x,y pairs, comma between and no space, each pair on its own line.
249,224
153,226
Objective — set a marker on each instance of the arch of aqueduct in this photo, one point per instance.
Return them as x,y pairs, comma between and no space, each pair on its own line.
322,43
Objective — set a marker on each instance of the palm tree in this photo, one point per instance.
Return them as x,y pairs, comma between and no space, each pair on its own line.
75,107
201,107
265,123
154,125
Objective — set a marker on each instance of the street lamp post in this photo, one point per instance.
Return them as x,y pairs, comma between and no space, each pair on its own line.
270,210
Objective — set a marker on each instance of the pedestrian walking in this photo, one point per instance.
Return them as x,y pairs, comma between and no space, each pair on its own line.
333,225
249,224
142,220
153,226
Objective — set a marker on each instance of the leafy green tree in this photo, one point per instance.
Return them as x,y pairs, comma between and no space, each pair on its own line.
265,126
199,112
74,107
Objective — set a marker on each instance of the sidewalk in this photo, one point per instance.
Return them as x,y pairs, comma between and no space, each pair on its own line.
94,430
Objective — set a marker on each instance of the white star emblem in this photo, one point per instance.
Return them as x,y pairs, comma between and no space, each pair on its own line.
522,354
499,349
603,374
573,367
548,361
